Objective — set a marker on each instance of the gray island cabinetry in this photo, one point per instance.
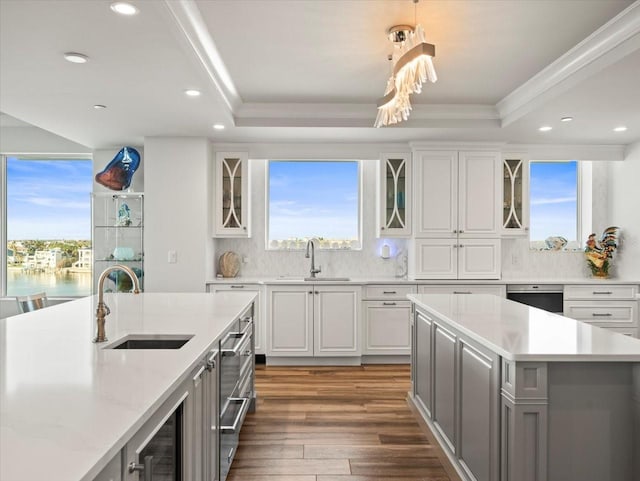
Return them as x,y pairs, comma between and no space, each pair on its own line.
514,393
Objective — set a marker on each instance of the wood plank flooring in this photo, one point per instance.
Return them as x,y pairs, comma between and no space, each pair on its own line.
336,424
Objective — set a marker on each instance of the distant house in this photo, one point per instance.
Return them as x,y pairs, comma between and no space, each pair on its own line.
11,259
85,260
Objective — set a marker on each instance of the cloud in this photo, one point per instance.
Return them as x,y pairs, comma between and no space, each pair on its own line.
57,203
556,200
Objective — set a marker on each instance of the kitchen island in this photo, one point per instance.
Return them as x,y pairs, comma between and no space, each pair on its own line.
514,393
68,406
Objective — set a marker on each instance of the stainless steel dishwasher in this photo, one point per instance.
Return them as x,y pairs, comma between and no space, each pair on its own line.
543,296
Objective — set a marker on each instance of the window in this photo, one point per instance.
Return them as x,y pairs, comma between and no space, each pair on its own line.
47,221
554,205
309,199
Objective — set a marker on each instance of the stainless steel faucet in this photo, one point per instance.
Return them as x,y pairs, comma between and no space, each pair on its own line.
103,310
313,270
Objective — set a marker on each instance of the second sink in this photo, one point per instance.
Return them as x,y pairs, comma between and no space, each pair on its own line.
150,341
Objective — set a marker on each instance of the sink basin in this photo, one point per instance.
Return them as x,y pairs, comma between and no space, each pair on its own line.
150,341
326,279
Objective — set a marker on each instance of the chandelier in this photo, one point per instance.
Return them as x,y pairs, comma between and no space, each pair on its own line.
412,66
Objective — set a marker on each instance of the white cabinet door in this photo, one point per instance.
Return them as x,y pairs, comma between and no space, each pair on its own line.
232,202
478,190
436,188
479,259
394,191
515,194
258,317
434,259
290,321
387,327
336,321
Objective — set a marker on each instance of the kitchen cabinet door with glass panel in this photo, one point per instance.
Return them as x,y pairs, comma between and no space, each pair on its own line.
394,190
232,203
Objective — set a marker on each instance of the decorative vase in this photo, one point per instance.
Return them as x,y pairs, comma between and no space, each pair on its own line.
229,264
118,173
599,254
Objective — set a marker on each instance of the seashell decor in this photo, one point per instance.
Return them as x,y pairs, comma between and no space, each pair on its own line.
229,264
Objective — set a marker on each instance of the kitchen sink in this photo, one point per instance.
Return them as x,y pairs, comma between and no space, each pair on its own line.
150,341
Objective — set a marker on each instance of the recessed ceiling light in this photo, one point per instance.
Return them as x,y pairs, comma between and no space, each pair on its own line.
545,128
192,93
566,119
622,128
75,57
218,126
99,106
124,8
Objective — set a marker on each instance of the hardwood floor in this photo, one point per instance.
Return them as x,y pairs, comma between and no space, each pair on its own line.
336,424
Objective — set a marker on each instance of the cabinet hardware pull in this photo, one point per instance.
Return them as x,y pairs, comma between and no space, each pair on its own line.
243,336
455,231
602,292
198,377
389,292
462,292
211,362
460,231
605,314
237,287
388,303
237,422
146,468
230,455
455,246
310,292
381,228
244,227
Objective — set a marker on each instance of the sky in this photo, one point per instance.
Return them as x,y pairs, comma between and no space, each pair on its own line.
554,200
313,199
49,199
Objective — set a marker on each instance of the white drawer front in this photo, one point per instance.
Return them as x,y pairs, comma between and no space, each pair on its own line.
625,331
496,290
389,291
604,313
595,291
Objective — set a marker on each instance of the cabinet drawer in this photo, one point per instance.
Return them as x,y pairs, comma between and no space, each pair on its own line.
625,331
604,313
389,291
592,292
496,290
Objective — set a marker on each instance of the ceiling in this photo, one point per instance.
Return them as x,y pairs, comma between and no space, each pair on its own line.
312,70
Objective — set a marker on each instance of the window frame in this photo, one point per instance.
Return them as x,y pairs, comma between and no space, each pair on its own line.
267,197
584,208
4,213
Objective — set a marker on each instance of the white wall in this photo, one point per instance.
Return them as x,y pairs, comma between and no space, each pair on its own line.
261,262
32,140
624,195
177,212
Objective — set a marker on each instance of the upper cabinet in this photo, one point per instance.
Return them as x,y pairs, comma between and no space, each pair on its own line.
394,190
232,202
457,194
515,194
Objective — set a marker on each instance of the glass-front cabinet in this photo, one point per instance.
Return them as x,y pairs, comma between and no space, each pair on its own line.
394,190
118,238
232,203
515,197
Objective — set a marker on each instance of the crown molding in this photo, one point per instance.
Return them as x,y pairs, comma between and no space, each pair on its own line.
453,145
186,16
611,42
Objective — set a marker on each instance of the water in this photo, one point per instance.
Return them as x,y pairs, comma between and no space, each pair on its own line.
55,284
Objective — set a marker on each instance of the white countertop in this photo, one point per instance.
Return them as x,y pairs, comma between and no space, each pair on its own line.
68,405
398,280
522,333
